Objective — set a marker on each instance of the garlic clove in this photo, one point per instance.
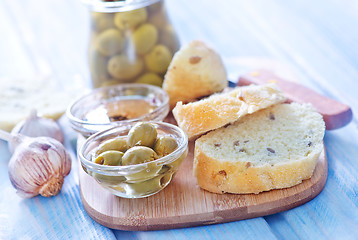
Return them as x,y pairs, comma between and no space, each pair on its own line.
35,126
38,166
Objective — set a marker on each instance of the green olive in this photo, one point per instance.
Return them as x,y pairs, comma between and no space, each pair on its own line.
110,42
158,19
117,144
138,155
142,134
154,8
108,180
144,38
175,165
119,187
165,145
101,21
158,59
121,67
150,78
151,185
97,66
151,170
169,38
130,19
110,158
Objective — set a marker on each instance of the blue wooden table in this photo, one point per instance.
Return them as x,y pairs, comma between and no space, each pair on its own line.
312,42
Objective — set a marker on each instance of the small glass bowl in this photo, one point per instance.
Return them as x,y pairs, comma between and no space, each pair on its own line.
97,110
140,180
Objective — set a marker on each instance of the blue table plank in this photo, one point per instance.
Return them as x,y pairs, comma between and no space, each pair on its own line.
250,229
12,50
59,217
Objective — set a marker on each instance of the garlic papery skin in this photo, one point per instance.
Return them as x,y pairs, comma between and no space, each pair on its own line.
38,166
35,126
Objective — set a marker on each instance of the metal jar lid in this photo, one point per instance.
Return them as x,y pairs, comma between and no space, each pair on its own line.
117,5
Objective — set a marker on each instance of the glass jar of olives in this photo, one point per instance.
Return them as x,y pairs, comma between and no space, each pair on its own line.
134,160
132,41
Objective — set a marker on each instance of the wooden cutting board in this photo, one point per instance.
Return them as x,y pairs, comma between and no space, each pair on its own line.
183,204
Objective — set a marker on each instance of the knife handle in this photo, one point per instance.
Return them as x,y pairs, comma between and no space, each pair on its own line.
335,114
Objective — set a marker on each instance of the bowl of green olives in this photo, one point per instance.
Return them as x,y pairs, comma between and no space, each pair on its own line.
105,107
134,160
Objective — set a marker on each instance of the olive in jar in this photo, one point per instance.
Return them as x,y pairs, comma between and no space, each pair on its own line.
158,59
98,67
144,38
121,67
169,38
150,78
130,19
101,21
158,19
110,42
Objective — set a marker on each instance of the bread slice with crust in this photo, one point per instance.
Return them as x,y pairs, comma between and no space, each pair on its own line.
273,148
221,109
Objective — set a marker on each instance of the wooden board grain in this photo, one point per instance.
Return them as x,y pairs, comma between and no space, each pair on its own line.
183,204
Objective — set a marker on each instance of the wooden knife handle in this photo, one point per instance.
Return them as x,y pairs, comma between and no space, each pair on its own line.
335,114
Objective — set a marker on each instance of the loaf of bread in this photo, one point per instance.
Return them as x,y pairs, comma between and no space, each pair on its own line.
195,71
273,148
221,109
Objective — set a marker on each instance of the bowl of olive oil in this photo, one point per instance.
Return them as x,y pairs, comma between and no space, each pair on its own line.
106,107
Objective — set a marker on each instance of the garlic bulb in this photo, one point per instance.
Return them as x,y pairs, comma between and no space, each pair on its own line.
35,126
38,165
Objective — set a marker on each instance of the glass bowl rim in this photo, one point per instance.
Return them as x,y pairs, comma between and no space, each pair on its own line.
121,170
75,102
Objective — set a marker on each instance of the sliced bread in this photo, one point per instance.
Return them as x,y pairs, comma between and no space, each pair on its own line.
273,148
221,109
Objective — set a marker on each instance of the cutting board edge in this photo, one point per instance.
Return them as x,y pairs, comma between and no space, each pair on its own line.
209,218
